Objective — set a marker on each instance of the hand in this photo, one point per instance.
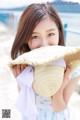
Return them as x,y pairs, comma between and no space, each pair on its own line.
66,78
60,104
17,69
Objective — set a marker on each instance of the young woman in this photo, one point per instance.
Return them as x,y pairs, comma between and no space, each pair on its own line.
39,26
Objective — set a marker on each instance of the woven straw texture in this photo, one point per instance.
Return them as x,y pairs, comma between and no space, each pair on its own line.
47,79
47,54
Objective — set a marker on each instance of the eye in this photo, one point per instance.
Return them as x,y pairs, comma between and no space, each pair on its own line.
34,37
51,34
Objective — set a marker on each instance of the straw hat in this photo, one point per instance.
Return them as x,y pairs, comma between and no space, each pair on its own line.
48,78
47,54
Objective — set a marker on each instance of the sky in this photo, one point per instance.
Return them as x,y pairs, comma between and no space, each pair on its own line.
14,3
73,0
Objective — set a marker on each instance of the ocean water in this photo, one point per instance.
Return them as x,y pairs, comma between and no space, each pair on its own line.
71,19
73,22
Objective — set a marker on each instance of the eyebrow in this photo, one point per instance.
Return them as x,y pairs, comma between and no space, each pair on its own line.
52,29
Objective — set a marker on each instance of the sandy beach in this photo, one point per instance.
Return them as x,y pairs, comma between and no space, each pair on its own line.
8,86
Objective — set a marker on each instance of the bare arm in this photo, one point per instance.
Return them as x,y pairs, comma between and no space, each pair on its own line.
58,101
68,90
61,98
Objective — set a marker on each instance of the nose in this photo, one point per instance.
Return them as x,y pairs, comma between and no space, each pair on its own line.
44,43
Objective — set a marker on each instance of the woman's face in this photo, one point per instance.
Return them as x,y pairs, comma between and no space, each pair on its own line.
45,33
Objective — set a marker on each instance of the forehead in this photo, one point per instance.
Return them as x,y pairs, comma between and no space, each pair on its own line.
45,24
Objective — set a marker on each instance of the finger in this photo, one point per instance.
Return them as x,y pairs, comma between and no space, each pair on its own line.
22,67
25,65
14,71
18,69
66,78
67,73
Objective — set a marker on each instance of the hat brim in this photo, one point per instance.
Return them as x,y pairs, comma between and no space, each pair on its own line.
47,54
44,55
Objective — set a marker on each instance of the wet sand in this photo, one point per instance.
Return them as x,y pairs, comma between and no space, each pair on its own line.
8,86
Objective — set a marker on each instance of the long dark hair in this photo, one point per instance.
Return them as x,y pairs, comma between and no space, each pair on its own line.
31,16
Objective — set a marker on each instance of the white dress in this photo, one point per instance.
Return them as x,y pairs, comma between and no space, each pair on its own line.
46,111
43,104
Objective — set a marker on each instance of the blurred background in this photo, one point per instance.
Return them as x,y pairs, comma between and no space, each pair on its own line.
10,12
